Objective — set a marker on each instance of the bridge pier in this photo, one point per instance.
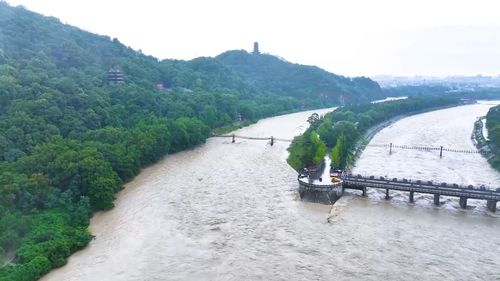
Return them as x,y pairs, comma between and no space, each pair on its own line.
364,191
436,199
272,140
411,196
234,138
463,202
441,152
492,205
387,194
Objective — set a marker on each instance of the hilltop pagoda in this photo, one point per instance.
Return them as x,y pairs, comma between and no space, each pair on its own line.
256,48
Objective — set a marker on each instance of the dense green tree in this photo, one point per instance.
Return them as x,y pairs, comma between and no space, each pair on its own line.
341,153
493,126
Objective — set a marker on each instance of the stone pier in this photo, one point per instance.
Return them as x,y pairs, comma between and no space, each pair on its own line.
492,205
463,202
436,199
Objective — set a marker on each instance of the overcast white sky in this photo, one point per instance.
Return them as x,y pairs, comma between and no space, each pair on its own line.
349,37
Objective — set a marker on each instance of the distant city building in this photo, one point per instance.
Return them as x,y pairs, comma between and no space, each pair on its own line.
115,76
256,48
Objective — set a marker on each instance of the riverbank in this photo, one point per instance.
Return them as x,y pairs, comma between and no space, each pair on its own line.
479,139
493,138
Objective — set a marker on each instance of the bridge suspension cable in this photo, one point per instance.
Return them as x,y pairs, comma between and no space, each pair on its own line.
271,138
424,148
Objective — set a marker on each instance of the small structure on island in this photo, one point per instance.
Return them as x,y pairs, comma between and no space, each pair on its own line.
115,76
256,48
160,86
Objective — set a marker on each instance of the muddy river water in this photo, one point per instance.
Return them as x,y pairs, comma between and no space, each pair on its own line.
226,211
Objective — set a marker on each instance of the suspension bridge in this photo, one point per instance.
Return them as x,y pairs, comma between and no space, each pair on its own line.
390,146
271,138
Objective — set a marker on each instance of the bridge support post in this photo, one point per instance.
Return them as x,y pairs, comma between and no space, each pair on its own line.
441,152
492,205
436,199
387,194
463,202
411,196
364,191
390,148
272,140
234,138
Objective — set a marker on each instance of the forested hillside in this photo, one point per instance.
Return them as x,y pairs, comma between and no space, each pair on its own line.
69,137
274,75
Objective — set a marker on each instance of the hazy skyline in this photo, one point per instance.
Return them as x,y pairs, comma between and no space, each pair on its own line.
345,37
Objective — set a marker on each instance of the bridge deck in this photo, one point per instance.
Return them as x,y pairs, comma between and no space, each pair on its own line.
484,194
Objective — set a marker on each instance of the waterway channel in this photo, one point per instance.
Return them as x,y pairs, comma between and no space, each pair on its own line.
225,211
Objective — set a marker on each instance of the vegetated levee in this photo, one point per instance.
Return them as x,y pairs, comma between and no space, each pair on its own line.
80,114
343,130
493,126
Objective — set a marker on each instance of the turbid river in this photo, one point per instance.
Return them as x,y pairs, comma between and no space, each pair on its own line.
228,211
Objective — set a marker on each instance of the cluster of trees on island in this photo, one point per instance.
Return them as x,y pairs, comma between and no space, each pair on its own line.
69,138
493,126
343,129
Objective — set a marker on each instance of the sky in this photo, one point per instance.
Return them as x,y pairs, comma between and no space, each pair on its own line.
348,37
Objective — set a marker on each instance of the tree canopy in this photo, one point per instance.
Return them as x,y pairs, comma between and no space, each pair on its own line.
493,126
